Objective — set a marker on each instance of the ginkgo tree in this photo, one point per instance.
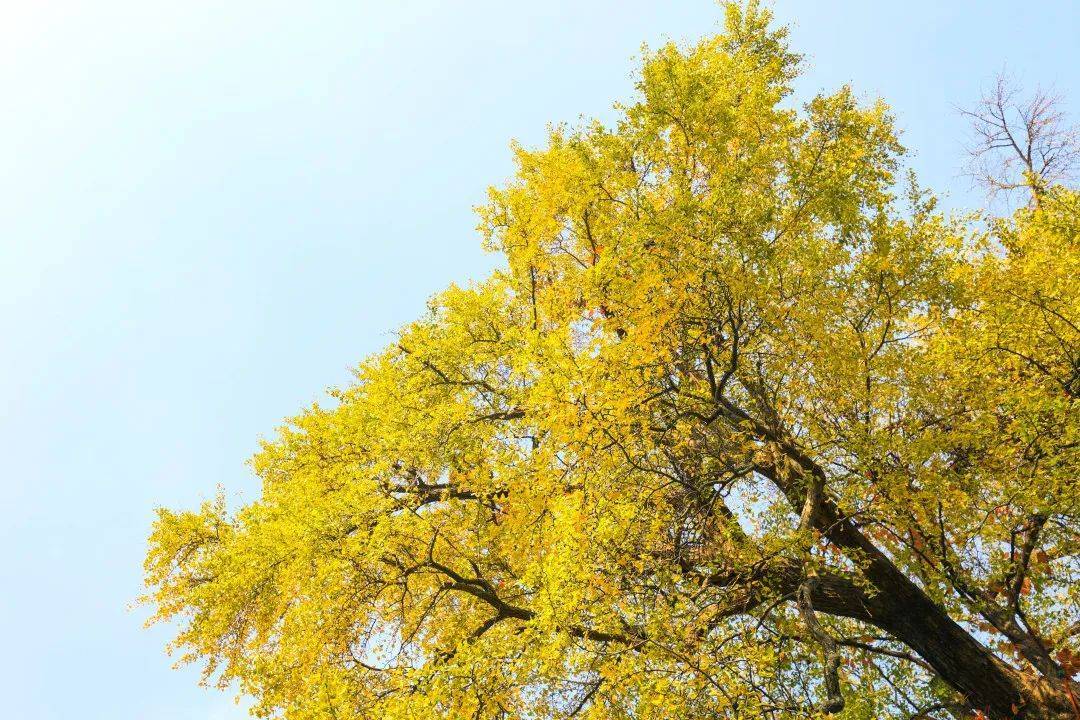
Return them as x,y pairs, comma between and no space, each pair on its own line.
739,430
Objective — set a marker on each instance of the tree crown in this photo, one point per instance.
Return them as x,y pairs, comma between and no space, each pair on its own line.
735,418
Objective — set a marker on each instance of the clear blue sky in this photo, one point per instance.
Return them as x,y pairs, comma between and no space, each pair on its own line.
209,211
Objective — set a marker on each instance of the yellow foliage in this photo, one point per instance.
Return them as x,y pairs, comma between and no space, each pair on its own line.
572,489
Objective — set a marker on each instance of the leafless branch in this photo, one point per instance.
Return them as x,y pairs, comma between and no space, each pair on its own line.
1020,141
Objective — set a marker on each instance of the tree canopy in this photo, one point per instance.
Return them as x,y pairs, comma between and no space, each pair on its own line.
739,430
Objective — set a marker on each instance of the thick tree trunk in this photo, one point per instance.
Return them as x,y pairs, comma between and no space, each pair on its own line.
900,607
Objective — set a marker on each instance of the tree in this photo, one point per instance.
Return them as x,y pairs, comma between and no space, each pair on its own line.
735,432
1020,143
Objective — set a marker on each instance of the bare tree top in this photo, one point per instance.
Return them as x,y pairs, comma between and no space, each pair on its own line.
1020,141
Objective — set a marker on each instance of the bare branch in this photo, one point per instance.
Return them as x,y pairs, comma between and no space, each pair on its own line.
1020,142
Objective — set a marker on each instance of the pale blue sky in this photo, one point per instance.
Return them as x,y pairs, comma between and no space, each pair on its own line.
210,210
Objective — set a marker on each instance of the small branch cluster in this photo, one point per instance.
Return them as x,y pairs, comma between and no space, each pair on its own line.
1020,142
